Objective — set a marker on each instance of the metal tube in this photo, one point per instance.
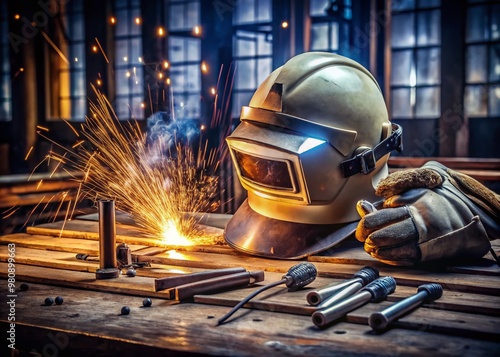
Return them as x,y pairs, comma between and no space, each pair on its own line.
322,318
107,241
218,284
379,321
317,297
341,295
107,234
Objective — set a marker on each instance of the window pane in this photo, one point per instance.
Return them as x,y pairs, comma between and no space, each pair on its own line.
428,3
176,49
475,100
194,78
121,49
495,22
264,10
428,102
245,74
122,23
137,110
244,11
429,25
402,5
428,66
78,84
476,67
193,106
494,107
245,44
124,80
135,29
193,48
476,24
79,109
263,69
318,7
5,111
401,67
176,17
240,99
334,36
319,34
401,107
403,30
495,62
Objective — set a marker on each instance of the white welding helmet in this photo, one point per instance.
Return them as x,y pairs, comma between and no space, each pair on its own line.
313,141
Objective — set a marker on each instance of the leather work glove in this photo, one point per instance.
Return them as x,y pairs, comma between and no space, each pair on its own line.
428,214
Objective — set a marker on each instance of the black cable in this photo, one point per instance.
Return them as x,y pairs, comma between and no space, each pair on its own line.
245,300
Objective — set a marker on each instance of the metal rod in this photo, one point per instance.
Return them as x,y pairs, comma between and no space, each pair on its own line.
363,276
107,241
322,318
317,297
341,295
217,284
375,291
107,234
379,321
173,281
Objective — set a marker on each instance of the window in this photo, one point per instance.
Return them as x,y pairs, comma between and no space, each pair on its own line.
482,77
416,59
482,71
66,58
252,51
330,25
128,67
184,54
5,93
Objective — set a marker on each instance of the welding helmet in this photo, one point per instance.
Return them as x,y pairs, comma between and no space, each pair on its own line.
314,139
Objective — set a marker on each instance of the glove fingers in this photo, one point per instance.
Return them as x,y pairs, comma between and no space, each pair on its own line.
379,219
392,236
395,244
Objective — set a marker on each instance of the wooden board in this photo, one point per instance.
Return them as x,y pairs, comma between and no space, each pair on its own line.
90,323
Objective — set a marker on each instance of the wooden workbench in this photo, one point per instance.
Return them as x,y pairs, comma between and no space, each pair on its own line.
464,322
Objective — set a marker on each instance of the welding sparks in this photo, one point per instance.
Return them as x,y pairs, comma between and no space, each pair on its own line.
116,163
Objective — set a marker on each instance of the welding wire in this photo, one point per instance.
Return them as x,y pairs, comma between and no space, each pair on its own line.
173,281
296,278
217,284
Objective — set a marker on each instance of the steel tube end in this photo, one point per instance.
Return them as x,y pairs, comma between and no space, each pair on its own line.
319,319
378,321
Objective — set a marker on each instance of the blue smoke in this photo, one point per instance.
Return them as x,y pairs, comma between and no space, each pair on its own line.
164,134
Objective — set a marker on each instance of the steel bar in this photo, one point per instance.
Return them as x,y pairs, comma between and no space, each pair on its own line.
379,321
374,292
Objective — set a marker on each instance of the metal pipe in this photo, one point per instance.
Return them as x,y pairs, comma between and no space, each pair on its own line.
374,292
379,321
173,281
107,241
341,295
362,276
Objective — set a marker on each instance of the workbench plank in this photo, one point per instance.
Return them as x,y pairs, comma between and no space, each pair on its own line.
83,229
186,327
63,244
442,321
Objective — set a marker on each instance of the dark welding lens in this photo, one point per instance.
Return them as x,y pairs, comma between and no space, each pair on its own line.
266,172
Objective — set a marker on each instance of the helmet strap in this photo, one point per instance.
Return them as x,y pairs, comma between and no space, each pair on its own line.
366,161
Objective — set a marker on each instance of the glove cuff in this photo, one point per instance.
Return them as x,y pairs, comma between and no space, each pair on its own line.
469,241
